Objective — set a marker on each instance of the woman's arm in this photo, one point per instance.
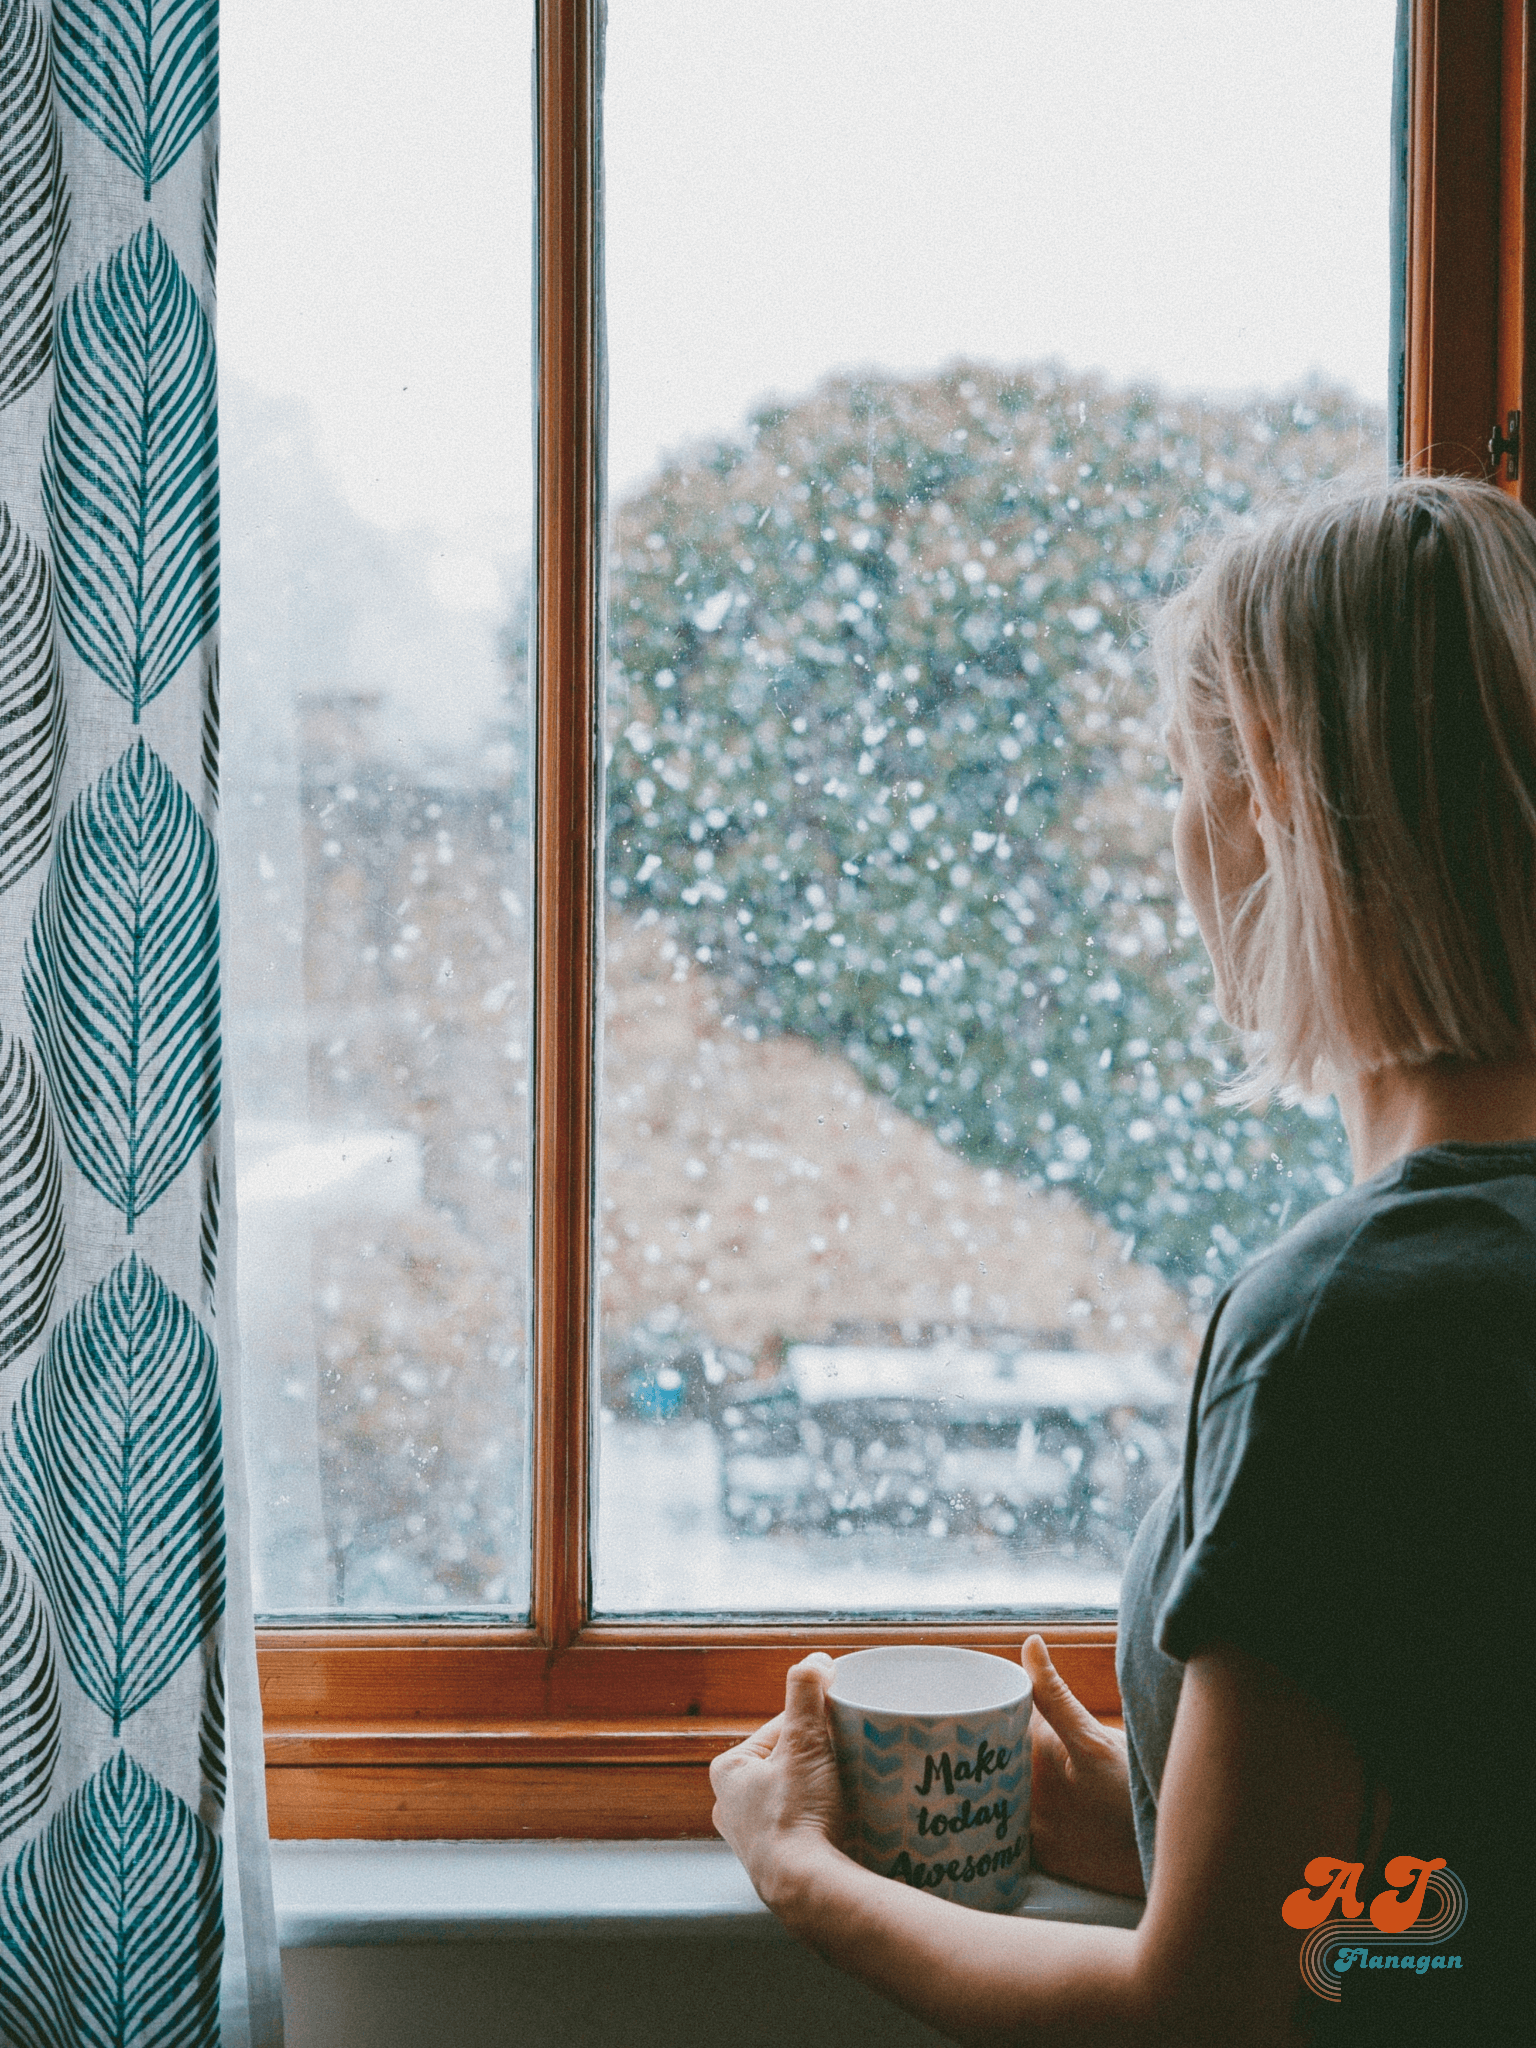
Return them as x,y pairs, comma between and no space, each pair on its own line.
1259,1780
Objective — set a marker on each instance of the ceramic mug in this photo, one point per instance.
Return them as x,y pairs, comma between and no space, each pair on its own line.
933,1752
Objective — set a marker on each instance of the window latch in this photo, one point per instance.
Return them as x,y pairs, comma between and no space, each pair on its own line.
1506,444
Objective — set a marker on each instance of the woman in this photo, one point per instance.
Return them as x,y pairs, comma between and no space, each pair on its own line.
1328,1624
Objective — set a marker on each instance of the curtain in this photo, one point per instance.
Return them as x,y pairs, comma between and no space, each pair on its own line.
135,1894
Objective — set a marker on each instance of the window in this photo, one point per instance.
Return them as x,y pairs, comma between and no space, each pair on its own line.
378,481
914,1187
599,1712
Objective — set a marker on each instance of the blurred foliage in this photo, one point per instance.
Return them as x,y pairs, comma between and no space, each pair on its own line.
884,752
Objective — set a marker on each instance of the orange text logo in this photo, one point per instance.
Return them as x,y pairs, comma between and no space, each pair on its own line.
1424,1902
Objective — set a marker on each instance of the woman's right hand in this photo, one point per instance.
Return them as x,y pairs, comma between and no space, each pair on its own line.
1080,1788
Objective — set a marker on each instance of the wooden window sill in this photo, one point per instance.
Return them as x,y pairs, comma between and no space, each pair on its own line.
496,1736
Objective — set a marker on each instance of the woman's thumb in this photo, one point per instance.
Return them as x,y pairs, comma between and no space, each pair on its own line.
1057,1702
805,1692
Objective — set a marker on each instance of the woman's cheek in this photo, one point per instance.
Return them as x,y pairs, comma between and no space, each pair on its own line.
1197,879
1192,863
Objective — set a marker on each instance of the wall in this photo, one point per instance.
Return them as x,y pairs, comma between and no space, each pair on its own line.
636,1992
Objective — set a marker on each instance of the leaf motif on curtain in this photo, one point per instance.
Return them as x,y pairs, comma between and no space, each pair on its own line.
32,734
143,75
114,1476
211,1747
211,729
122,981
110,1929
208,1236
211,220
34,199
131,471
31,1205
29,1700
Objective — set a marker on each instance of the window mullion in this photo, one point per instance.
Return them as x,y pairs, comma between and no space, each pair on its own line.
567,641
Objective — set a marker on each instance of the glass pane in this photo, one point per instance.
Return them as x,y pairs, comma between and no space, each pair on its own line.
937,333
375,331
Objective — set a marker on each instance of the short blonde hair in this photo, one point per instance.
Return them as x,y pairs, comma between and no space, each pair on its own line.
1366,665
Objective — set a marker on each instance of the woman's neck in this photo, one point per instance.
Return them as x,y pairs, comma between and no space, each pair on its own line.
1398,1110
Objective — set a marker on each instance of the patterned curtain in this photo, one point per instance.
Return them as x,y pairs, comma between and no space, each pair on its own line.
135,1897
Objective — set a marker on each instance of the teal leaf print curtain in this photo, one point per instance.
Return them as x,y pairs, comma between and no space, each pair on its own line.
130,483
122,982
135,1895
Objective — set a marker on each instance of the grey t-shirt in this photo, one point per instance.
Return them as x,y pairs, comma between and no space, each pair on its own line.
1358,1508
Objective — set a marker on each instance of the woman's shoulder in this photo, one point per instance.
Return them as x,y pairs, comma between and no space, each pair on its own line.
1438,1251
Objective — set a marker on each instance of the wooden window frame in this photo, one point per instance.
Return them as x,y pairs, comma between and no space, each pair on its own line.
575,1727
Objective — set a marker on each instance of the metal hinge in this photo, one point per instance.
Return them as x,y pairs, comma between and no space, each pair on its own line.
1506,445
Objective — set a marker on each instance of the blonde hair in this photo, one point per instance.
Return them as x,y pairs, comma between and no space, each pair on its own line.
1365,664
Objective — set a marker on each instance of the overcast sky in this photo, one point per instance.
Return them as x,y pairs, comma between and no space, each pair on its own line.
1190,189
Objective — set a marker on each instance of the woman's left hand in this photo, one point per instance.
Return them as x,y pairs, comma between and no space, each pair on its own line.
777,1797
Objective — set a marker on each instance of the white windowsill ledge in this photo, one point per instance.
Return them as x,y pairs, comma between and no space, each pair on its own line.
358,1894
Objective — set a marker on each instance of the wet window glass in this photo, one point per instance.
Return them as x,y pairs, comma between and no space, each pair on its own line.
938,337
375,338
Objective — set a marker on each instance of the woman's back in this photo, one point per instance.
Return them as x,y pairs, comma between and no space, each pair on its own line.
1357,1508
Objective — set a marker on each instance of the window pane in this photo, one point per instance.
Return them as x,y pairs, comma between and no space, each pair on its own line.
374,322
937,333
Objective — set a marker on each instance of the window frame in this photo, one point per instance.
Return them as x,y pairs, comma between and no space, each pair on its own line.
572,1727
